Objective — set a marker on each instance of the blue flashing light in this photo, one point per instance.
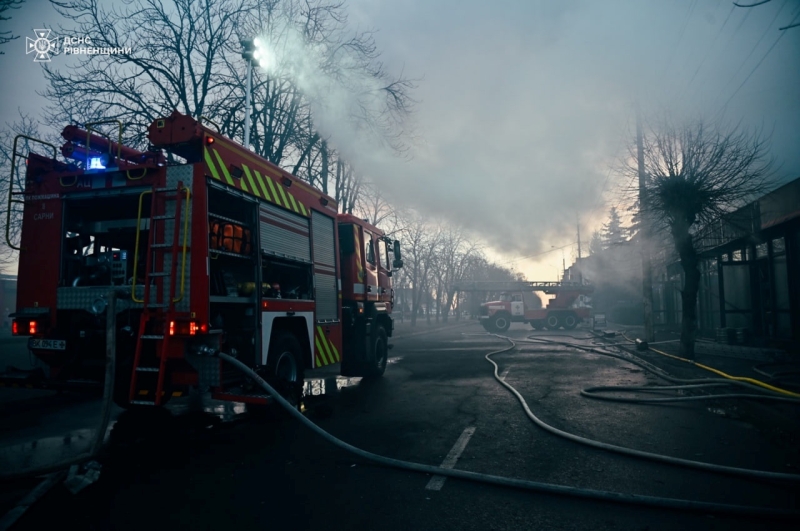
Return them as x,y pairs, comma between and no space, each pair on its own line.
97,163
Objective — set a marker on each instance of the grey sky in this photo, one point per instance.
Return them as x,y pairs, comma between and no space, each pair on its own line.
525,105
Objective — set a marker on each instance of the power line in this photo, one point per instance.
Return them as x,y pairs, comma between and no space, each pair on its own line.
544,252
710,48
791,25
680,37
751,5
754,70
753,49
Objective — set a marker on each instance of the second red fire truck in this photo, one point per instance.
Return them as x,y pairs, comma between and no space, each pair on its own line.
518,303
207,248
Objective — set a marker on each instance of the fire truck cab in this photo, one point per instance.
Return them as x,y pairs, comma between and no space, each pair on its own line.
204,247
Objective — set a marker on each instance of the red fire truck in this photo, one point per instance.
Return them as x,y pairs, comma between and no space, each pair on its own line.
206,248
519,304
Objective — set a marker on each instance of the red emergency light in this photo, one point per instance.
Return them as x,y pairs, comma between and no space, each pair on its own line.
24,328
186,328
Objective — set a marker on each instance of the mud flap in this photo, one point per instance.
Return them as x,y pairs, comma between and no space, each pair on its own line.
356,361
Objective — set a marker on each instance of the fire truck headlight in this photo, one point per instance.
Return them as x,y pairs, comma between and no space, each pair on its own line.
99,306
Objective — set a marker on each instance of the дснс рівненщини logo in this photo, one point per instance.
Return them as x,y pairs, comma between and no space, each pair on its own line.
41,45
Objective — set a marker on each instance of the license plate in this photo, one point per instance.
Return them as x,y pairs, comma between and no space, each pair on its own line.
47,344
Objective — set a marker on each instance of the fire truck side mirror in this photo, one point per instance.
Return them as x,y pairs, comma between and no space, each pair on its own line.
397,256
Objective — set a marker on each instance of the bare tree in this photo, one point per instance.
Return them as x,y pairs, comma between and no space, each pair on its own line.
455,254
27,127
420,244
5,5
172,55
373,205
696,174
186,55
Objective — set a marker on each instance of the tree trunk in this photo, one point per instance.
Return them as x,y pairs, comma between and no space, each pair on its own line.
688,255
415,306
429,298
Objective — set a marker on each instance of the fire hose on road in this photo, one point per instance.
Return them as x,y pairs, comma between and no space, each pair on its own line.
548,488
753,474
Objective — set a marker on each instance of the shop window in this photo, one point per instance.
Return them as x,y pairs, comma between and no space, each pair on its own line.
781,283
761,250
778,246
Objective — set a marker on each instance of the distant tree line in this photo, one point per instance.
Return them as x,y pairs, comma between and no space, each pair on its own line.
435,254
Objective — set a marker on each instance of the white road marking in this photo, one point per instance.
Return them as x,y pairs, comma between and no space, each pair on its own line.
437,482
505,373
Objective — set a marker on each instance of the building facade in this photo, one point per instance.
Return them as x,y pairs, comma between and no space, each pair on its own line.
750,274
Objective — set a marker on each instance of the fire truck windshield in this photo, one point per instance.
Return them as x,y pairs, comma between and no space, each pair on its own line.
99,238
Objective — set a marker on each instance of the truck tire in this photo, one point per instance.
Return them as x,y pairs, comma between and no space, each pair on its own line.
379,355
569,321
285,368
501,322
536,325
552,322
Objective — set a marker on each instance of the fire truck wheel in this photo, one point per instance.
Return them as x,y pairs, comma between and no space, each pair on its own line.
536,325
569,321
285,369
501,322
380,353
553,322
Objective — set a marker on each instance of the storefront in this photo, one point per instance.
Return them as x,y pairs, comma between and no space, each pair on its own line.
750,273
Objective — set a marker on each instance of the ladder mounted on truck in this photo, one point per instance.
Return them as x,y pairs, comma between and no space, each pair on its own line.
157,324
549,287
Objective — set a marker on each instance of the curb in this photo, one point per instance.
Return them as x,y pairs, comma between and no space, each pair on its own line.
706,347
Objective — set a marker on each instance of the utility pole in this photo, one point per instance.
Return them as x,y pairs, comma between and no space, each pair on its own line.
580,267
644,237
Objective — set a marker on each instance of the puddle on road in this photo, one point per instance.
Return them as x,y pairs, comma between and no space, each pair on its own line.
452,349
320,386
45,451
718,411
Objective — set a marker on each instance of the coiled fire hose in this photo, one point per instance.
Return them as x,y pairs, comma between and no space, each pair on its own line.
606,496
754,474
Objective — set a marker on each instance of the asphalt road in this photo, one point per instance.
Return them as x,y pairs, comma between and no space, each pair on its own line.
438,403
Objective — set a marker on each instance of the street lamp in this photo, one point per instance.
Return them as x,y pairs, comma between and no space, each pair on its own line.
249,54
